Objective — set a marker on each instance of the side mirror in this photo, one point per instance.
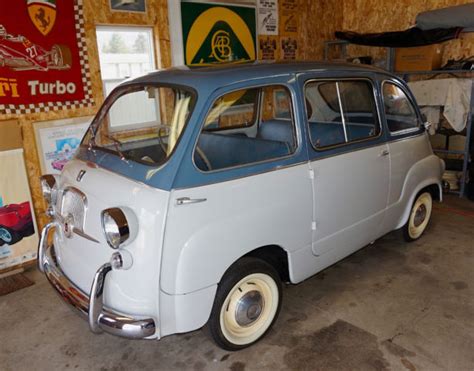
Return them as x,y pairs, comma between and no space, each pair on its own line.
429,127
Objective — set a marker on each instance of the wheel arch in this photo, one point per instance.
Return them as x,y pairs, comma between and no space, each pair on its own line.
433,186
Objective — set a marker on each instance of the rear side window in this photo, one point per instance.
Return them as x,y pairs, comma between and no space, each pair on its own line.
234,110
399,111
269,135
340,112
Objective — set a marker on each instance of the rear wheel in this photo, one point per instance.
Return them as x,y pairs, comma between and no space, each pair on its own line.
419,218
247,303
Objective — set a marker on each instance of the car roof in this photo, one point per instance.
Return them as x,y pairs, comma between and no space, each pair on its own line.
225,74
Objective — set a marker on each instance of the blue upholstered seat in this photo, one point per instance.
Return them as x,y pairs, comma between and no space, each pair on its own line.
279,130
224,151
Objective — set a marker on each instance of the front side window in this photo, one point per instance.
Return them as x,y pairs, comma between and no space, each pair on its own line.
253,125
144,124
399,111
340,112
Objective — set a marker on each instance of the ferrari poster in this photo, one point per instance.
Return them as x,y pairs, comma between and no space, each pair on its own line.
43,59
18,240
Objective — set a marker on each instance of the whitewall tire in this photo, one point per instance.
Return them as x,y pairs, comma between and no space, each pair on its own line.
419,217
247,303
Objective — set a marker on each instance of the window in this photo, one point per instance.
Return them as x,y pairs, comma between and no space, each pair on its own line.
150,128
246,126
399,111
340,112
124,52
233,110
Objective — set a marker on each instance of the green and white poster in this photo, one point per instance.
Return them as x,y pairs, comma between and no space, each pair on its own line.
215,33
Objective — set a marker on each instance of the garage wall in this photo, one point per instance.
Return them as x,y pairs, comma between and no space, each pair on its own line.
390,15
95,12
318,19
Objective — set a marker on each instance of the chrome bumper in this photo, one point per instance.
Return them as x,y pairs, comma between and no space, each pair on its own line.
91,307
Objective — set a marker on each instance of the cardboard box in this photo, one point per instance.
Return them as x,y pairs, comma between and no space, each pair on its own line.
420,58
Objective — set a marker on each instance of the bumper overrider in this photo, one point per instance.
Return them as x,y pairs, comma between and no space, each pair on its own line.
90,306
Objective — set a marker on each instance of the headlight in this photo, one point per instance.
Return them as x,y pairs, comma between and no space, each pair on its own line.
119,226
48,188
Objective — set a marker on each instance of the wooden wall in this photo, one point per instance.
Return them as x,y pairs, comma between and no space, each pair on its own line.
390,15
95,12
318,19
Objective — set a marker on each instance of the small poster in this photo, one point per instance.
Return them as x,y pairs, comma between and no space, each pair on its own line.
18,240
58,140
218,33
138,6
267,17
289,48
268,47
289,18
43,56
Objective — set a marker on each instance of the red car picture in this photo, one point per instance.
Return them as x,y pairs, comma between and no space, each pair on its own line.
16,222
20,54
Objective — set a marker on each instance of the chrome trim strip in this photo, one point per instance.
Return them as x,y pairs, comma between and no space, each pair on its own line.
342,112
92,307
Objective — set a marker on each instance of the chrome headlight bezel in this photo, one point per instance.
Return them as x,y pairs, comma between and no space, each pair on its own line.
119,226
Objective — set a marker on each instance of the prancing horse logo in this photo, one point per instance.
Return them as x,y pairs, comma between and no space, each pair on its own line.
42,14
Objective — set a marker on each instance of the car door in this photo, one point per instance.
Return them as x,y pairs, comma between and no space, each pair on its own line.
238,192
350,162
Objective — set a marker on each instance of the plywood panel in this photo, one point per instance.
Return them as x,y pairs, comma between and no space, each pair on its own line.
95,12
388,15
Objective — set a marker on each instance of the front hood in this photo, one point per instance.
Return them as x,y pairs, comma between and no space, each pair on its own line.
128,291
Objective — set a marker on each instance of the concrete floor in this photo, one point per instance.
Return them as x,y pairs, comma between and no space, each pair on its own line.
391,305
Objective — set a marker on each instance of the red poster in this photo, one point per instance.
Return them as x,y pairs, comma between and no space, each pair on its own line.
43,58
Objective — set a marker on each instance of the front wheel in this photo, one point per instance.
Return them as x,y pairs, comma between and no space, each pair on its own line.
9,236
247,303
419,217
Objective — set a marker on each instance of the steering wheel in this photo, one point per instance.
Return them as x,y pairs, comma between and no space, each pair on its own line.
204,158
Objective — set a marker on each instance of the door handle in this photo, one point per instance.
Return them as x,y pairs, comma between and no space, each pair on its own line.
384,153
187,200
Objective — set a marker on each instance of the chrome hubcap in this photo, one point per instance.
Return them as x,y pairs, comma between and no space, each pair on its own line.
249,308
420,215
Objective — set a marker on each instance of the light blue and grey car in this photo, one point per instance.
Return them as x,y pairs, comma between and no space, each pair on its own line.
196,192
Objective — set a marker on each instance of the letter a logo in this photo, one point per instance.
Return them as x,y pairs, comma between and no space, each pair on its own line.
42,14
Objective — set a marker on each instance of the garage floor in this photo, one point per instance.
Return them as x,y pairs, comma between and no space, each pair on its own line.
389,306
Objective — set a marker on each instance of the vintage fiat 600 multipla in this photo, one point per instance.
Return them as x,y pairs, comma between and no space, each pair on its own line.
196,192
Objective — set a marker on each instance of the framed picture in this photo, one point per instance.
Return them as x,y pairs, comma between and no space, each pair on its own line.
18,237
57,141
138,6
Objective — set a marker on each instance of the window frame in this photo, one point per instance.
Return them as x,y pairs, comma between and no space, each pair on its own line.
126,89
343,144
296,131
127,28
410,100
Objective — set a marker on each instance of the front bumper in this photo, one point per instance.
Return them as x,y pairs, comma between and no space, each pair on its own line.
90,307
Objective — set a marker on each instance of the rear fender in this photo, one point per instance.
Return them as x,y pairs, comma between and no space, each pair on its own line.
424,173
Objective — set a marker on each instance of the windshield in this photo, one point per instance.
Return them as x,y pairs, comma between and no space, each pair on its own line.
144,124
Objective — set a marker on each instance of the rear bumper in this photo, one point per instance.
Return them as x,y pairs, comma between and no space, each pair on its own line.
90,306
